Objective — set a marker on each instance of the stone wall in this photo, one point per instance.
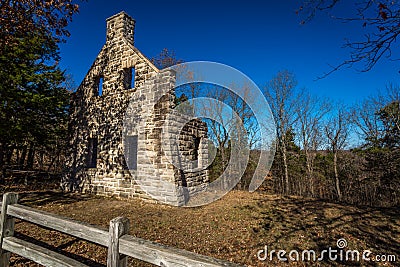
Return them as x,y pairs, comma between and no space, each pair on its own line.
146,95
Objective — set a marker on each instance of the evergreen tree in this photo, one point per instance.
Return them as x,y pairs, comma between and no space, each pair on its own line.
34,100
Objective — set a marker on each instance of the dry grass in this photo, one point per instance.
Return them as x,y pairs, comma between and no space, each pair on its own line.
233,228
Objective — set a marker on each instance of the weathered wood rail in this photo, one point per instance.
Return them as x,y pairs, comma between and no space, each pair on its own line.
120,245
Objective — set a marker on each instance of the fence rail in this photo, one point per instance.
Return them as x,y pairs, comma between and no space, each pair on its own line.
120,245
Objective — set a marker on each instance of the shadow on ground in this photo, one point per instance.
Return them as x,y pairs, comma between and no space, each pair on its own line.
233,228
301,224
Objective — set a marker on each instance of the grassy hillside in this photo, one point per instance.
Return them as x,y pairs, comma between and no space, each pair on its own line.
234,228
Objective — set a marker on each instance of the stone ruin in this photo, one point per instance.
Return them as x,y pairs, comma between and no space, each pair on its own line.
109,159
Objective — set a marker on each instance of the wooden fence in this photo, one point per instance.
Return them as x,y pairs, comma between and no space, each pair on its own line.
120,245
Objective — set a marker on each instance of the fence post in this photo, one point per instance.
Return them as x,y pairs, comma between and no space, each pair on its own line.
118,227
6,226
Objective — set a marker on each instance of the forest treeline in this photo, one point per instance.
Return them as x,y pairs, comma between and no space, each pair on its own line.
332,151
34,90
324,149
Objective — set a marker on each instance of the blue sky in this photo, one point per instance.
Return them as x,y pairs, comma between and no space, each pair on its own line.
258,38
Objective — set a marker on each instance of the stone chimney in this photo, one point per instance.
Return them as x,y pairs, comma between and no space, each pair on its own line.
121,25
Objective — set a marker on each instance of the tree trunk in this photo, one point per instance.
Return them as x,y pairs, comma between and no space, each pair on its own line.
41,161
2,148
285,169
21,161
337,182
31,157
54,159
223,160
309,171
2,166
9,153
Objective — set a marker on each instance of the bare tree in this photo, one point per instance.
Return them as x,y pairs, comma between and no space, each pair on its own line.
218,129
379,18
368,119
166,58
310,112
231,124
280,93
337,130
245,113
390,106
